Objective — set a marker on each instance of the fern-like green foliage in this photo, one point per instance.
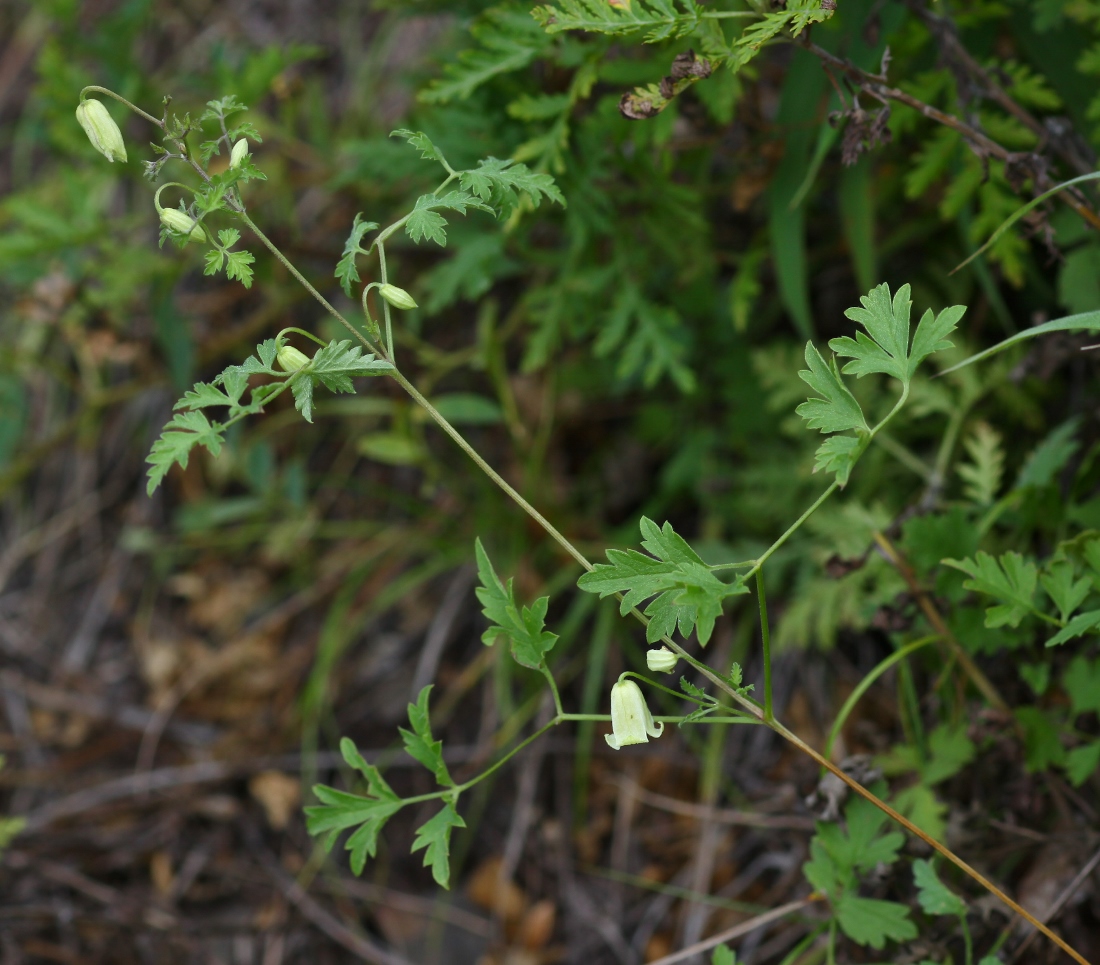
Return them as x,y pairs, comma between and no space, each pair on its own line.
333,366
340,810
505,39
983,473
660,20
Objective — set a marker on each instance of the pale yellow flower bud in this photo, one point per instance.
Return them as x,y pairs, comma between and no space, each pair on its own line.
661,661
239,153
182,223
290,359
101,129
397,297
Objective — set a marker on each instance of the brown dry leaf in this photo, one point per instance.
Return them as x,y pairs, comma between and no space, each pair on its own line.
1052,870
217,807
226,599
279,795
486,890
160,871
658,946
399,927
160,664
537,926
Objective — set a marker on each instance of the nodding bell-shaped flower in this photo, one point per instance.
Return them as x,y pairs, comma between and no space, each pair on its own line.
239,153
290,359
397,297
631,722
101,129
182,223
661,661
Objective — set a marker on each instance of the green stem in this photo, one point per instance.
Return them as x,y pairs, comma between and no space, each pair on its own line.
385,304
865,683
270,245
121,100
507,757
765,636
553,689
490,471
302,331
792,529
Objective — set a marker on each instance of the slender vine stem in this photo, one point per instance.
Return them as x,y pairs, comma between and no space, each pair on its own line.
791,530
496,477
766,640
865,683
385,304
122,100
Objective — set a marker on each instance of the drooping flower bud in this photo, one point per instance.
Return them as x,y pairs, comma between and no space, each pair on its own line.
290,359
239,153
397,297
101,129
631,722
662,660
182,224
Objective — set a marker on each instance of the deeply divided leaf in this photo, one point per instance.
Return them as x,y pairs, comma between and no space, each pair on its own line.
185,431
1012,580
687,595
834,408
419,742
435,836
346,271
885,346
523,627
934,896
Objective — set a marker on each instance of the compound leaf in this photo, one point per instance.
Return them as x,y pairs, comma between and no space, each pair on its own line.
422,143
982,475
185,431
524,628
435,835
934,896
346,271
887,324
869,921
687,594
507,39
340,810
838,454
502,182
1066,593
1012,581
834,409
419,743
